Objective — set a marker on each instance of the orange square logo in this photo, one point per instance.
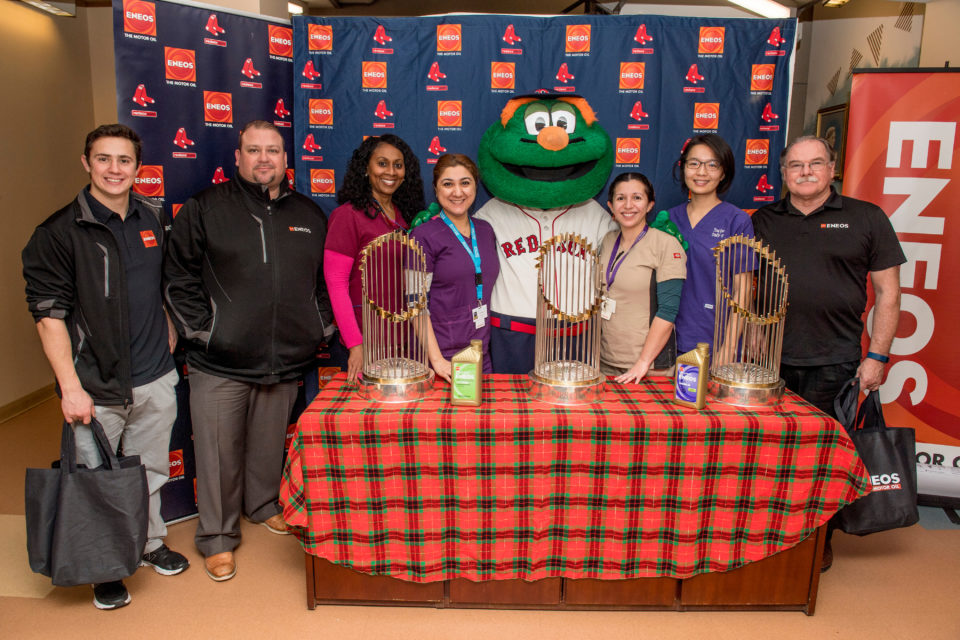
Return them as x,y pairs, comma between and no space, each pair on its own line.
449,37
449,113
176,463
217,106
502,75
149,181
321,111
761,77
374,75
578,38
631,75
711,40
175,208
140,17
291,178
281,41
706,115
180,64
322,181
757,153
319,37
628,150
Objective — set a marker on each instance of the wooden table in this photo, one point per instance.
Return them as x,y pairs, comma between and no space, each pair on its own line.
631,503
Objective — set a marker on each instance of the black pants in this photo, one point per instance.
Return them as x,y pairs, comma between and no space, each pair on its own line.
819,385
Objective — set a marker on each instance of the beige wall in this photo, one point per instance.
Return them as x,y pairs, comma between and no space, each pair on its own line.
939,34
46,109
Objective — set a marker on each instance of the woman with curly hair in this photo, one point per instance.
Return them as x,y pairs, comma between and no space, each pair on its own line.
381,192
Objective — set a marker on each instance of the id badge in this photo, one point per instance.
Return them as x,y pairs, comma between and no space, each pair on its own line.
480,316
607,308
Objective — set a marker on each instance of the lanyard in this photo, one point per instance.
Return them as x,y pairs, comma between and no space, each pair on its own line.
392,223
616,259
472,251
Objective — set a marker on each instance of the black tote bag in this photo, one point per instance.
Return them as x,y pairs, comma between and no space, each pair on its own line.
86,526
889,455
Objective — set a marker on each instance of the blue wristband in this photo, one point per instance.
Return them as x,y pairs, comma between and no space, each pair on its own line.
878,357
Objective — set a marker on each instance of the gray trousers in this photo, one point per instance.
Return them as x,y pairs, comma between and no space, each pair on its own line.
144,429
239,431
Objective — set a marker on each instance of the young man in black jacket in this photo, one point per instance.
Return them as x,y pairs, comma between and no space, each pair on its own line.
93,274
244,281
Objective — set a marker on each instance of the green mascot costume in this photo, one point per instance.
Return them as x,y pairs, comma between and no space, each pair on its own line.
544,161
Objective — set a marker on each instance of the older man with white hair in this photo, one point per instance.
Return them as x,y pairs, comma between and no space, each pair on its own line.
829,244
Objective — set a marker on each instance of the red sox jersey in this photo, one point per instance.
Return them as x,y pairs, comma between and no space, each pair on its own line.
520,232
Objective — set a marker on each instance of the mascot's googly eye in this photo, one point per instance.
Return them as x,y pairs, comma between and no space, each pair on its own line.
536,117
564,117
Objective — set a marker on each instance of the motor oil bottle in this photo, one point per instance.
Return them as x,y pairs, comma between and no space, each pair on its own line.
466,375
693,370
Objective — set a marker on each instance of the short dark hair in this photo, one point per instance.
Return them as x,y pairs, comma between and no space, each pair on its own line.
720,149
258,124
449,160
627,176
113,131
831,152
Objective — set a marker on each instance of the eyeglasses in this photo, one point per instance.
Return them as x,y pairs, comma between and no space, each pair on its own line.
815,165
710,165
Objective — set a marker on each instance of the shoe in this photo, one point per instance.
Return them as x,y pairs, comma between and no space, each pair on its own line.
165,561
220,566
110,595
827,561
276,525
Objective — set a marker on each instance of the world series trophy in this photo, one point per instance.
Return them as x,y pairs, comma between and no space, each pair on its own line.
751,303
393,276
567,353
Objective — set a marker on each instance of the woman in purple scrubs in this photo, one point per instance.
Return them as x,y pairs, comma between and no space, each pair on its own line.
706,168
462,262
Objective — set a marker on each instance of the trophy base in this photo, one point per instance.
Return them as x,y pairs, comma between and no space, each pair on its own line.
566,393
396,391
745,395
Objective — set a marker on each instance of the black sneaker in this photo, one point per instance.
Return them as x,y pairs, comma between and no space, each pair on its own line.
165,561
110,595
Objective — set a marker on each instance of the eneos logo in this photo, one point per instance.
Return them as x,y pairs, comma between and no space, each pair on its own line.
761,77
176,463
181,64
578,38
711,40
321,111
374,75
502,75
319,37
631,75
140,17
217,106
449,37
706,115
321,181
628,150
758,152
291,179
449,113
281,41
149,181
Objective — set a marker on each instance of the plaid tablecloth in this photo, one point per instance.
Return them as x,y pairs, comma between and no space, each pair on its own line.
633,487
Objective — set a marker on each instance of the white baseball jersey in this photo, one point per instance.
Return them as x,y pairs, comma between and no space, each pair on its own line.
520,232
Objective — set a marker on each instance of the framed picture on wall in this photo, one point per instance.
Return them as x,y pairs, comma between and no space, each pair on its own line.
832,127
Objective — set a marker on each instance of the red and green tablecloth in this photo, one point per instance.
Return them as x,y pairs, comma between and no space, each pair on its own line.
633,487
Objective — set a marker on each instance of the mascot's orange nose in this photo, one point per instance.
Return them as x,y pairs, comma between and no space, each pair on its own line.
553,138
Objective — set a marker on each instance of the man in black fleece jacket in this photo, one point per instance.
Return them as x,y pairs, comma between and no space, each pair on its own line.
243,279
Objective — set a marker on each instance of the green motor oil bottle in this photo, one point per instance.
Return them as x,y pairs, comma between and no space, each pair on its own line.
466,375
693,371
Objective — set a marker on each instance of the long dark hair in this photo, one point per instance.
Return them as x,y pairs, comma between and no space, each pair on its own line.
408,198
626,177
720,149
